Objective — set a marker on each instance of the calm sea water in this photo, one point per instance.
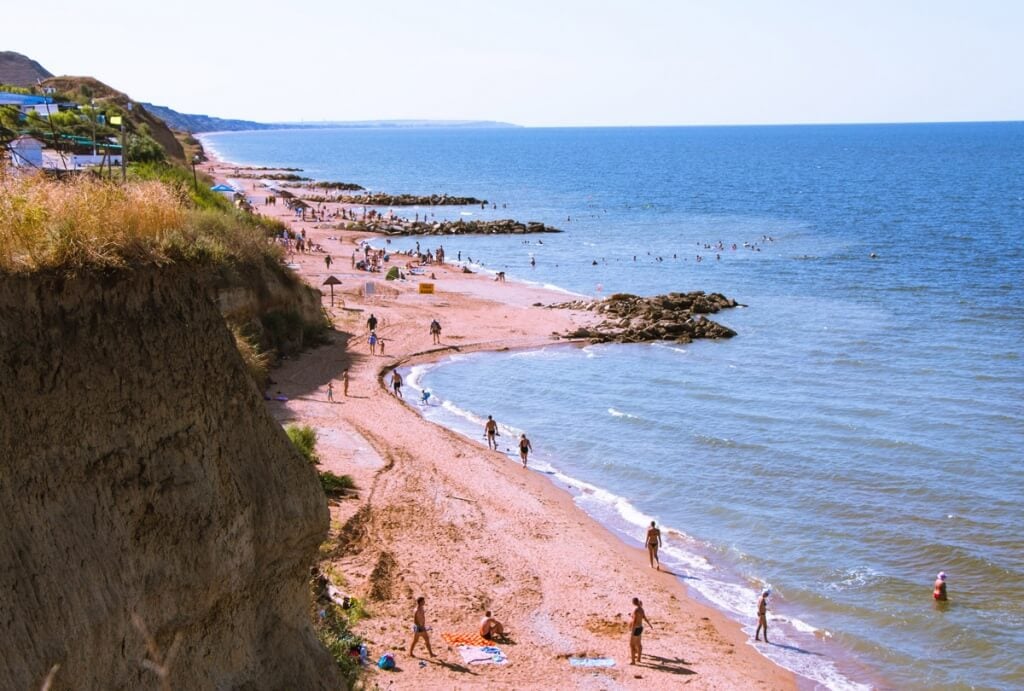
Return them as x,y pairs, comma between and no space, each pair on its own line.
863,431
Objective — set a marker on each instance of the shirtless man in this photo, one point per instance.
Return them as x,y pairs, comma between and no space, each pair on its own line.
762,615
491,628
344,382
419,627
939,590
435,331
490,432
636,647
524,448
396,383
653,543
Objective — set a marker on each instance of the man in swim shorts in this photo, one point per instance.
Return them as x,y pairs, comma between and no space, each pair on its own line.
396,383
636,647
491,628
435,331
653,543
490,432
419,627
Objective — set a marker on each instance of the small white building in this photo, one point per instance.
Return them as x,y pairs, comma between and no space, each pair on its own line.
26,152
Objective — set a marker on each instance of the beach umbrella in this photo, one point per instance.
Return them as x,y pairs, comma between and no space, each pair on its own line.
332,281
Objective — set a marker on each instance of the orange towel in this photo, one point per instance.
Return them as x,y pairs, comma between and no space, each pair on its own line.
466,639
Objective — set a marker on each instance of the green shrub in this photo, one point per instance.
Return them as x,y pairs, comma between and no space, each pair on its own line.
336,484
304,439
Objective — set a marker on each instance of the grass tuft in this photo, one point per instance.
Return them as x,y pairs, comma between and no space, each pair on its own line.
304,439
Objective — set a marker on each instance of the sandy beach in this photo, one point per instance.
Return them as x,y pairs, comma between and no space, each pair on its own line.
441,516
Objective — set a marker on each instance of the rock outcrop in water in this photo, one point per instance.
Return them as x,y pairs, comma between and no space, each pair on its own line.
675,317
142,476
384,199
460,227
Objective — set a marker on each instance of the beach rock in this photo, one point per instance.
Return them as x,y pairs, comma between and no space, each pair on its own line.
460,227
143,476
631,319
384,199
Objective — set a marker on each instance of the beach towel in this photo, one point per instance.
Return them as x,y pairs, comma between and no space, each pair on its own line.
465,639
482,655
591,662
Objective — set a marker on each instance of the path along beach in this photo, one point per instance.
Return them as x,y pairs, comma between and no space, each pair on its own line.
469,529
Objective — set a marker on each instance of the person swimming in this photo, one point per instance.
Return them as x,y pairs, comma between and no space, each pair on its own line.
939,591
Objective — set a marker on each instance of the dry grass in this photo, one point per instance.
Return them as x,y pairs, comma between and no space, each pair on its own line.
90,223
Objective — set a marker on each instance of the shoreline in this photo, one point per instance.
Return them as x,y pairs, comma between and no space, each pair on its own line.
702,643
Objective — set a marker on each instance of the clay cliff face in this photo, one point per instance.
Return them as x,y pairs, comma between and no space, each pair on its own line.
141,474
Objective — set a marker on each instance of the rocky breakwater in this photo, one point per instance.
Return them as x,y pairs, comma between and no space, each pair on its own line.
383,199
460,227
145,486
675,317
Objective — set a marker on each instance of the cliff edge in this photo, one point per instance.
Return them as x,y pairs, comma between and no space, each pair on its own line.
141,476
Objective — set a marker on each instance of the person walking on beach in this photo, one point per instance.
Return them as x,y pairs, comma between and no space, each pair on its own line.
524,447
372,340
490,432
380,344
327,262
653,543
762,615
419,627
344,383
939,591
435,331
330,391
396,383
371,323
636,646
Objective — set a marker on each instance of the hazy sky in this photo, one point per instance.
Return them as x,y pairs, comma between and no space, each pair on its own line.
544,62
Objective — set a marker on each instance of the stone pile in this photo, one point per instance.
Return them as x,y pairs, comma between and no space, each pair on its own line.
675,317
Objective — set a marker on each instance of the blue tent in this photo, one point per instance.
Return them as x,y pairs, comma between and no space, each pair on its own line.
222,188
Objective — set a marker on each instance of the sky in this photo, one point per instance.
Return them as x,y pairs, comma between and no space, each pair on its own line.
544,62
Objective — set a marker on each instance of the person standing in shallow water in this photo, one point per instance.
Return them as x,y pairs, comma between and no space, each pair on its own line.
524,447
762,615
490,432
939,591
653,543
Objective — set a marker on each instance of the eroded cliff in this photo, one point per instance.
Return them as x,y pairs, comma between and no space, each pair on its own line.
140,474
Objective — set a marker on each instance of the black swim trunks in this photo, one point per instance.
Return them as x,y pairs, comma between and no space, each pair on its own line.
638,631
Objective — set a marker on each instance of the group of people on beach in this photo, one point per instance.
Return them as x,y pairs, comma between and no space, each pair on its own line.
490,629
491,435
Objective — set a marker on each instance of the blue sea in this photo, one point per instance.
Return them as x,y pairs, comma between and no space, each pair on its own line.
862,432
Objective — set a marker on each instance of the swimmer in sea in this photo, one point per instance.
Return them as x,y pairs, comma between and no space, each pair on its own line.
939,591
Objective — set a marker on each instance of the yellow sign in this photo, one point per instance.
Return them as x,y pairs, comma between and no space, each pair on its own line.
427,288
115,119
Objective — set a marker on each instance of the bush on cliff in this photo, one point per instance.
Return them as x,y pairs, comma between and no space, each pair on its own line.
88,223
304,439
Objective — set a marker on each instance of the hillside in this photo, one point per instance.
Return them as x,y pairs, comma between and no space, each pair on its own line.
190,122
84,88
19,70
